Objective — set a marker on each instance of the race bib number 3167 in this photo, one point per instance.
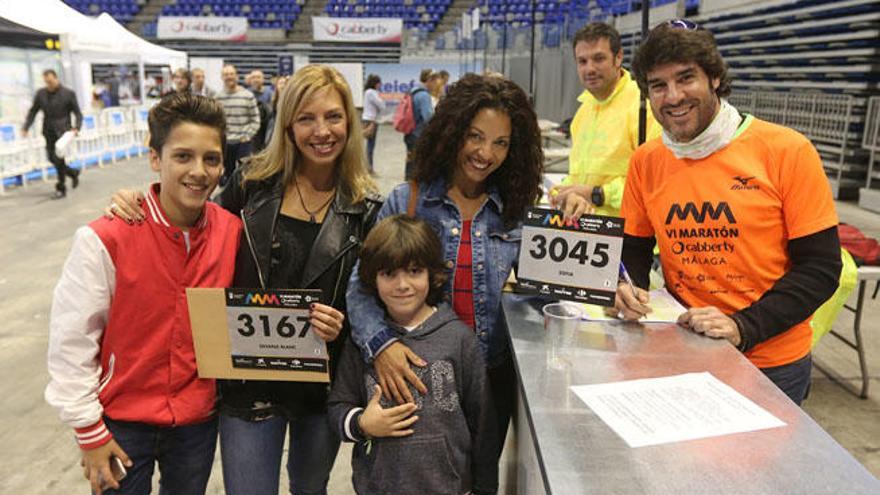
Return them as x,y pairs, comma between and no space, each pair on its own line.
576,260
271,330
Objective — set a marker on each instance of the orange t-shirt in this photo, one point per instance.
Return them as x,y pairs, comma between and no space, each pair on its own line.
723,222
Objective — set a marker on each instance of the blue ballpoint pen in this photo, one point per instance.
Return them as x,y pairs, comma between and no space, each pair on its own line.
625,275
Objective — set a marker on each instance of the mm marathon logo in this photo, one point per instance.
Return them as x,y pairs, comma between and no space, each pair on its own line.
258,299
707,209
559,221
593,224
696,242
279,298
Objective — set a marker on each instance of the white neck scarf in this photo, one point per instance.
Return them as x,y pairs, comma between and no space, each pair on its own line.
715,137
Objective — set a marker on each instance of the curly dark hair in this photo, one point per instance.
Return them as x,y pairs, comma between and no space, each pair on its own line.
667,43
518,179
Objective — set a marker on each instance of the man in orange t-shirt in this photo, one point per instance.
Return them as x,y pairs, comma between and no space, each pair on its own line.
740,209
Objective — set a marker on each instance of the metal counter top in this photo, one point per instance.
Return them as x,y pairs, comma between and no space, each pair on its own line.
579,453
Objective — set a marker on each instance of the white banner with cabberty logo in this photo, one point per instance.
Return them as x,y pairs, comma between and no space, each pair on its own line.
360,30
202,28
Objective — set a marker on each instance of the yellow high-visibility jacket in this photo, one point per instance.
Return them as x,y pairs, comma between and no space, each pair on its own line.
604,136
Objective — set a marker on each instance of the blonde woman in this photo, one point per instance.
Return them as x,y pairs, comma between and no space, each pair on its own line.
307,202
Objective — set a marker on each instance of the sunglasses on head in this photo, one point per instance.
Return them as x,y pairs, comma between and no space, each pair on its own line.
683,24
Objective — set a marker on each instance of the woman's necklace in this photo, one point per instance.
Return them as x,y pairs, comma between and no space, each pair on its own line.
303,203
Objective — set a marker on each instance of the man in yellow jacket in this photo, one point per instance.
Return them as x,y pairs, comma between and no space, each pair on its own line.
605,129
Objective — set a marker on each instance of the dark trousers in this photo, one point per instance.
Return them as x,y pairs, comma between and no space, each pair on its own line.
502,386
234,152
185,455
62,171
792,378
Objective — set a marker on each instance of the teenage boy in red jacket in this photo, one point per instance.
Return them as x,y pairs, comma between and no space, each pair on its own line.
121,359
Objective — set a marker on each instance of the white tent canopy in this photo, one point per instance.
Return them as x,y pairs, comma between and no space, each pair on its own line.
87,40
132,43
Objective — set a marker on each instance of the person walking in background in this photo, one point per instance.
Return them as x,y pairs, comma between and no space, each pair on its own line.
198,84
374,105
422,109
242,120
57,103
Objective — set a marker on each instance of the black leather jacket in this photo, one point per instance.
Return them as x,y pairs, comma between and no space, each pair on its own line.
329,266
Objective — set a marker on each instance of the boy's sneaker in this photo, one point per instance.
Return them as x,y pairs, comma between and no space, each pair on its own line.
58,194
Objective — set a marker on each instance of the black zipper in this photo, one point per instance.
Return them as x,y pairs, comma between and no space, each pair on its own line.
247,234
353,242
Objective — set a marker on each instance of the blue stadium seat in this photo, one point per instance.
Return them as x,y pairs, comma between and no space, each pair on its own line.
284,12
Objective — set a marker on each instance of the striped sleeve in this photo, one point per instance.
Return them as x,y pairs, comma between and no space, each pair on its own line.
94,436
350,425
242,115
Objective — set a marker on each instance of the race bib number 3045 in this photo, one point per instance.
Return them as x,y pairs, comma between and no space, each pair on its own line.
577,260
271,330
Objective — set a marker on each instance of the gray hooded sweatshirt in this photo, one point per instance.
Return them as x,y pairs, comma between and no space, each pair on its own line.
450,451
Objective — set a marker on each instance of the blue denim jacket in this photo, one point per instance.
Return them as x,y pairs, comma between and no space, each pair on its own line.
495,251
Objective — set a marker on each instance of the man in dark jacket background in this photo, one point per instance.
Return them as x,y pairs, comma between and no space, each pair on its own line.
57,103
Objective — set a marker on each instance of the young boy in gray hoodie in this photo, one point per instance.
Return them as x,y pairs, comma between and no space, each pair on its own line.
441,444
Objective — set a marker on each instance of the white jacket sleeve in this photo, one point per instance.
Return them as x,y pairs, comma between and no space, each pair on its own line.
76,324
378,101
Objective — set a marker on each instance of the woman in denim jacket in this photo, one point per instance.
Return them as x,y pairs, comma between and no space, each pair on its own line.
479,165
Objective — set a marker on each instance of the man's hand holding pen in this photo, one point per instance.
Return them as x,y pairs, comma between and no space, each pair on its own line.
631,302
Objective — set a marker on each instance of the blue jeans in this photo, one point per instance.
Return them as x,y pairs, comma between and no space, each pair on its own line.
251,454
792,378
185,455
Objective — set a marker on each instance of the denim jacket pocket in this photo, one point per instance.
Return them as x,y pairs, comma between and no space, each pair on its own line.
504,251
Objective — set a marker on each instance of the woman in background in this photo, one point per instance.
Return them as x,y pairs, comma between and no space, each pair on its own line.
374,105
